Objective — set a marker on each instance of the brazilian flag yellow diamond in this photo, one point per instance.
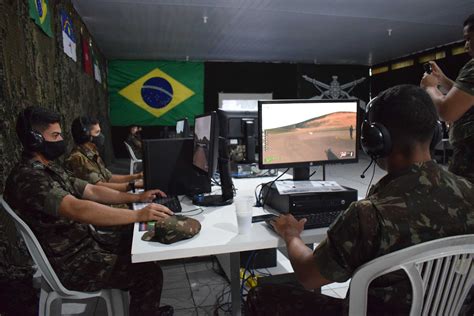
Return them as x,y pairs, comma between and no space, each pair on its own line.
156,92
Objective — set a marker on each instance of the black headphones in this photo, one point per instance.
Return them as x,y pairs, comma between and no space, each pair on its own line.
33,140
375,138
82,134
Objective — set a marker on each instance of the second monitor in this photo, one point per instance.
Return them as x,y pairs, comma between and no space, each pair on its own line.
302,133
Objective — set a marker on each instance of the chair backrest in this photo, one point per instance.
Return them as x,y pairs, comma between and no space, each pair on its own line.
130,152
440,271
37,253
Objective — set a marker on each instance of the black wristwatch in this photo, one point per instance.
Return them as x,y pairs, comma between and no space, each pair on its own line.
131,186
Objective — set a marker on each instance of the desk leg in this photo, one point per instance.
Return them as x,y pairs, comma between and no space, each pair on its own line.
235,283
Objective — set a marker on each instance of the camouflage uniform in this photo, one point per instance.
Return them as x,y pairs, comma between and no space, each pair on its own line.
461,134
420,204
85,163
135,142
80,257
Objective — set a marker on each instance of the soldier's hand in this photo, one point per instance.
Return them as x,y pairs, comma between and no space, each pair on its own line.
150,195
139,184
287,226
153,212
428,81
138,176
437,72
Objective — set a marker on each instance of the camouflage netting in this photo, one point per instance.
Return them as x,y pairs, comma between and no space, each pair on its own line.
34,70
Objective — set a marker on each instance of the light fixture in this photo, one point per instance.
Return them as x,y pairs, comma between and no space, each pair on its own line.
204,19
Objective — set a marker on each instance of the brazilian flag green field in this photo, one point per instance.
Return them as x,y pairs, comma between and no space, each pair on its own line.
154,92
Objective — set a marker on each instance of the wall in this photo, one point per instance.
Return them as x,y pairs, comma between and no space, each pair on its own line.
35,71
413,74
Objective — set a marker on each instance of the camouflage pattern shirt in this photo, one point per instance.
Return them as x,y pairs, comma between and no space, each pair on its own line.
35,191
420,204
85,163
461,134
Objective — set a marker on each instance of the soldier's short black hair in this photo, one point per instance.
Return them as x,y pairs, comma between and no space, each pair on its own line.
35,118
408,113
77,128
469,21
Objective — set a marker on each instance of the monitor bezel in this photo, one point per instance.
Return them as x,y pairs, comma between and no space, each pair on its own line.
306,163
213,144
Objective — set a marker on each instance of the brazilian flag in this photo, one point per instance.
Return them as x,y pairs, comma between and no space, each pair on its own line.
40,12
154,92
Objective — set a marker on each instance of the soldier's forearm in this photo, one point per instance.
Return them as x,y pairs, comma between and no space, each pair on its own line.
301,258
116,178
102,194
123,187
93,213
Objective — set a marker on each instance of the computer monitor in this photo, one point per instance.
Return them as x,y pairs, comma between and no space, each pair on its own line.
205,143
302,133
182,128
240,128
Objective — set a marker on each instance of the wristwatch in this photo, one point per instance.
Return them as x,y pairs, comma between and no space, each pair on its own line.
131,186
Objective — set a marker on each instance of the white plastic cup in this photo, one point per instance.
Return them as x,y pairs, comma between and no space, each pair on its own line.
243,210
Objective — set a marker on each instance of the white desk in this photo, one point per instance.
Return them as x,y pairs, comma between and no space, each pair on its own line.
219,236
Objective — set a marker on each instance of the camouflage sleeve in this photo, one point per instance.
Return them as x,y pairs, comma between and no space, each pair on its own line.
465,79
81,168
40,192
108,174
350,242
79,185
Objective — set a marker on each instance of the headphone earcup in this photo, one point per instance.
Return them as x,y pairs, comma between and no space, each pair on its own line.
34,141
437,135
375,140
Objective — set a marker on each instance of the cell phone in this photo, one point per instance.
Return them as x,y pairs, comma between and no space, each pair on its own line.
262,218
427,68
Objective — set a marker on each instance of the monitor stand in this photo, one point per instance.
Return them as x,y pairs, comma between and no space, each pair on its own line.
211,200
302,173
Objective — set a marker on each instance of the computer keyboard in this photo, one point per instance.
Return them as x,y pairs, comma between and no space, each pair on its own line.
314,220
171,202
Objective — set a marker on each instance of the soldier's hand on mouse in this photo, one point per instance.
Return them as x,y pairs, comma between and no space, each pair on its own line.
153,212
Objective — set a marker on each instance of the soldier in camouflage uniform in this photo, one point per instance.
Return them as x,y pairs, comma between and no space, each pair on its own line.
135,141
415,202
457,106
59,207
85,162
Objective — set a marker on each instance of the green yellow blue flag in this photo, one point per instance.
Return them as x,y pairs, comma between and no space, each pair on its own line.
40,12
154,92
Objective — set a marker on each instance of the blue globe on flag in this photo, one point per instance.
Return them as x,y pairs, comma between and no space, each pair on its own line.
157,92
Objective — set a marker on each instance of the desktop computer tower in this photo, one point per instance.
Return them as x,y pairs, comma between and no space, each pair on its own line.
307,203
168,166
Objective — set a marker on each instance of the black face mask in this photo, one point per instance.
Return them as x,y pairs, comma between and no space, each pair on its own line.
98,140
53,150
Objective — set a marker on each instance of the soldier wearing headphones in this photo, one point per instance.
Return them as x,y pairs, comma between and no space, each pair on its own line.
415,202
85,162
58,208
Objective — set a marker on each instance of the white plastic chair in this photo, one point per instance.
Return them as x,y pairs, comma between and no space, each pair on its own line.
52,291
133,159
441,273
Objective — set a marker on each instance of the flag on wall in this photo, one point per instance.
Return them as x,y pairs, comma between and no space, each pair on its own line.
97,72
39,11
69,38
86,56
155,93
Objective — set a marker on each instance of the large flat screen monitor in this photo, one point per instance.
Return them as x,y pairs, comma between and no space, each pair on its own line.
205,143
302,133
